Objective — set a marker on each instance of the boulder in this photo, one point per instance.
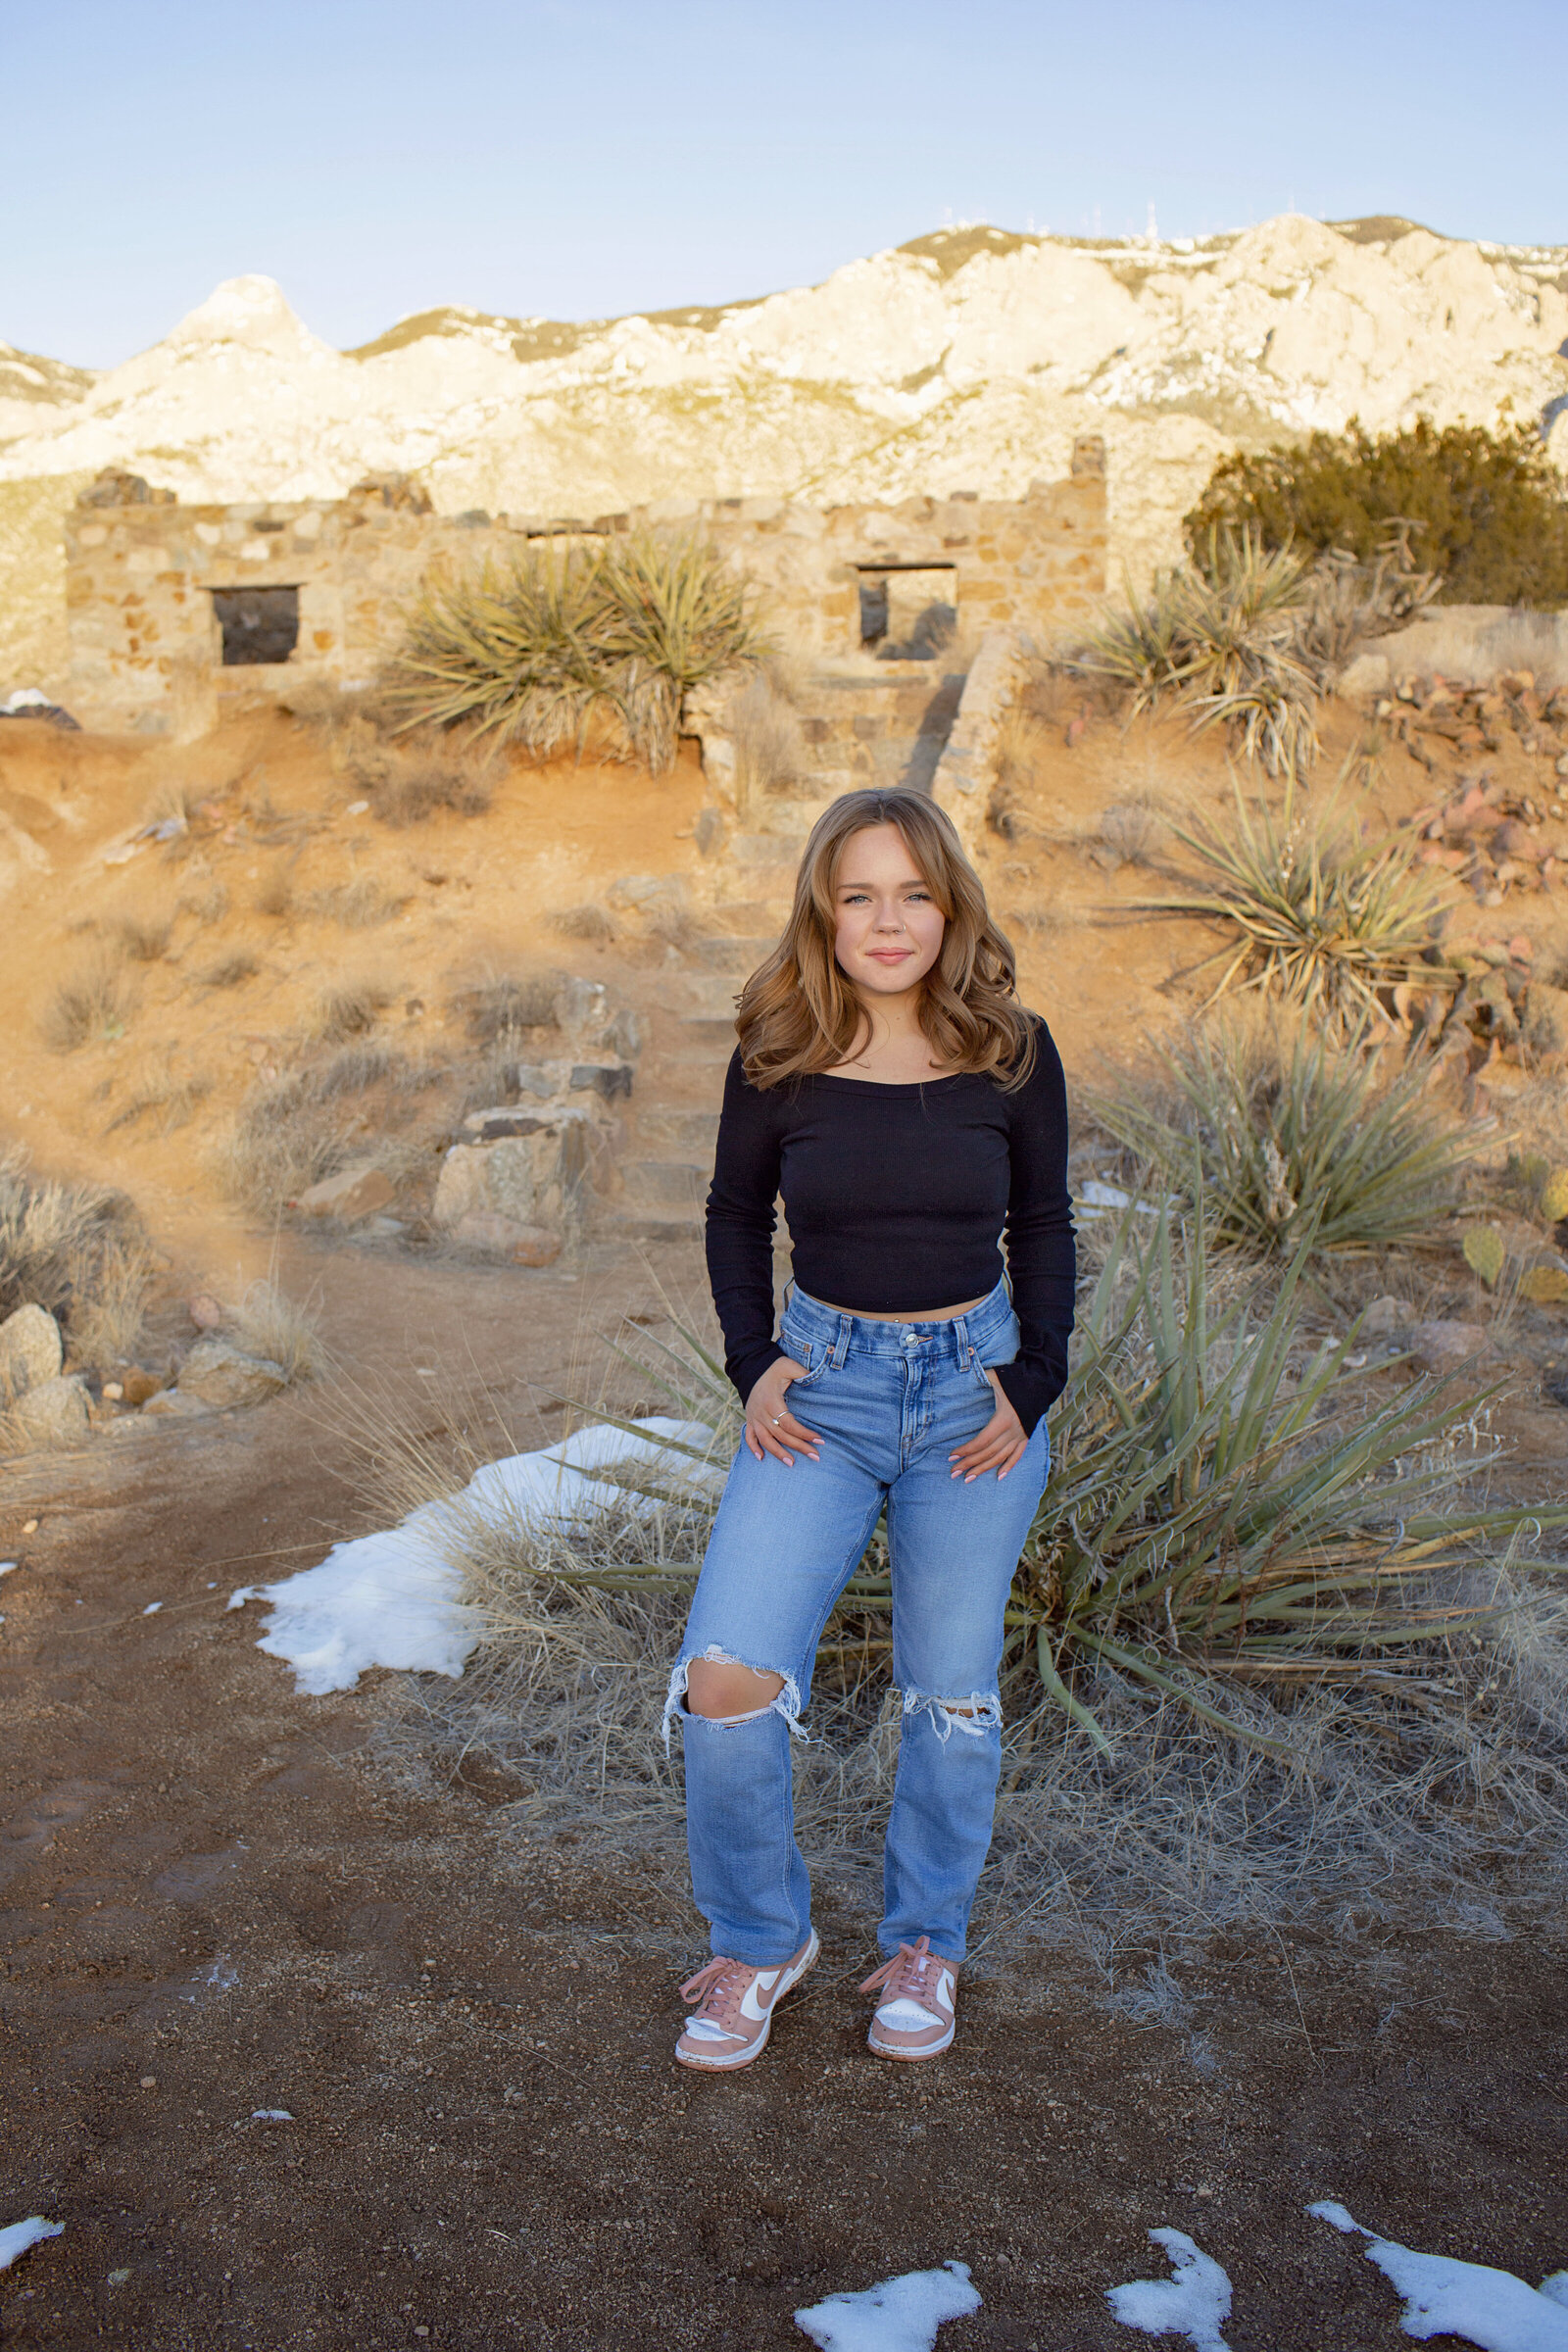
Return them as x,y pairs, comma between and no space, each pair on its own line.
531,1178
137,1385
1545,1021
504,1237
172,1401
351,1193
207,1312
54,1413
222,1374
1444,1348
1385,1317
31,1352
1367,675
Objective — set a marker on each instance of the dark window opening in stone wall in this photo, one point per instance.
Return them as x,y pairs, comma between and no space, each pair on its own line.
258,624
908,613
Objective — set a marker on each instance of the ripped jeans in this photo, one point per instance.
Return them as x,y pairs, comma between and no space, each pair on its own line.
889,1401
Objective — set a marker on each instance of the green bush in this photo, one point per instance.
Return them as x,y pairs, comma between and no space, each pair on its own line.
1485,510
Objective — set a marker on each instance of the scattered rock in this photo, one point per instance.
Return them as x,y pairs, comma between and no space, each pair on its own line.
1366,676
1545,1021
222,1374
351,1193
54,1413
488,1126
1446,1346
173,1401
30,1350
531,1178
606,1079
207,1312
505,1237
138,1386
1385,1316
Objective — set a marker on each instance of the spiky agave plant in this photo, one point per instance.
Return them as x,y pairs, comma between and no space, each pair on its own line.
1321,918
1226,1501
1296,1136
515,650
676,615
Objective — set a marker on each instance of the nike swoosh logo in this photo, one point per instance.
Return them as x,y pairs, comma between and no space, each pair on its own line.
945,1993
764,1982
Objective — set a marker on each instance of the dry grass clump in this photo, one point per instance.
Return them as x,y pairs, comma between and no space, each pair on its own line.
616,633
94,1004
496,1010
293,1130
416,789
1285,1142
770,743
79,1251
230,970
1319,917
1132,831
360,905
143,938
169,1102
275,897
269,1324
350,1009
589,921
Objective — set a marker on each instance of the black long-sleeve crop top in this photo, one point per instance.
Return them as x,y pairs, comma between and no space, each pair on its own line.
898,1198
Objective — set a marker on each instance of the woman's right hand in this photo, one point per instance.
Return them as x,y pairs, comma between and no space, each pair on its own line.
771,1426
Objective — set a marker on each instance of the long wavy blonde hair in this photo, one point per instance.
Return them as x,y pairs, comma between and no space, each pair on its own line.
798,1013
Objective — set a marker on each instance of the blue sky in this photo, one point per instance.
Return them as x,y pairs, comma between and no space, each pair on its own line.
578,158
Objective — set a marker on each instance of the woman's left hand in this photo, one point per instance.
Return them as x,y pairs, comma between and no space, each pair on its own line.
1000,1446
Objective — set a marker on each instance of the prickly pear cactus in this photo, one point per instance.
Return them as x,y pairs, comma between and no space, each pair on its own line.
1545,1285
1554,1197
1483,1253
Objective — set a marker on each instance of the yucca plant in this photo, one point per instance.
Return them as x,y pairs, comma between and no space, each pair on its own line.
1223,641
1292,1135
536,652
1321,918
1226,1502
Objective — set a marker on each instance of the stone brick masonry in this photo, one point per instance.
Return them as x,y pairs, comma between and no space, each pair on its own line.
146,642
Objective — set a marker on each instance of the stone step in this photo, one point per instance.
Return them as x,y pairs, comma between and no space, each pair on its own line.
630,1225
679,1131
715,1030
709,996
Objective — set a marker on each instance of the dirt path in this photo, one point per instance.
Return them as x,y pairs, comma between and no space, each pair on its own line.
217,1897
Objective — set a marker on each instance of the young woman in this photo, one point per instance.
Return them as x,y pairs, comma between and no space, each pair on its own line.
890,1087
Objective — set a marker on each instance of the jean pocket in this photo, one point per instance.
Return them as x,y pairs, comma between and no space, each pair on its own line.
810,1352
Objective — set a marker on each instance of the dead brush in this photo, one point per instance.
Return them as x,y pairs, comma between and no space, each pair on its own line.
142,936
169,1103
361,904
231,970
590,921
351,1010
79,1253
494,1010
269,1324
94,1004
769,742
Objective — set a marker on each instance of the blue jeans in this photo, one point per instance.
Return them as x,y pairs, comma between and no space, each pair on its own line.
889,1401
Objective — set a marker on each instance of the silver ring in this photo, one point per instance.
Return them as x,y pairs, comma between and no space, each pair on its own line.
777,1419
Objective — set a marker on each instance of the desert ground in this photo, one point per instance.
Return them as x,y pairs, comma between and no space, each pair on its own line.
318,2029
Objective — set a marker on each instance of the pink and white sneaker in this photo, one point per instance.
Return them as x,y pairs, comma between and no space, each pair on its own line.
734,2006
918,2009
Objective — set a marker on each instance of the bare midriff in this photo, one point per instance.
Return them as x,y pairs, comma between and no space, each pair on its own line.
916,1314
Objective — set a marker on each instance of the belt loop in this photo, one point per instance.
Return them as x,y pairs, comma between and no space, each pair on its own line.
841,1343
960,1327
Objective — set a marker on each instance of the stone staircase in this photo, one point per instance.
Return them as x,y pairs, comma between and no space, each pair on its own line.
877,723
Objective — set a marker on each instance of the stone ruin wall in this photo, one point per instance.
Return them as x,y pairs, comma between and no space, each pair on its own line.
146,645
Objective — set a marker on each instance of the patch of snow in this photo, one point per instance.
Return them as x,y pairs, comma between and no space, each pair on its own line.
392,1599
18,2236
152,1608
1196,2303
1094,1198
26,698
1445,2297
8,1567
271,2115
218,1976
901,2315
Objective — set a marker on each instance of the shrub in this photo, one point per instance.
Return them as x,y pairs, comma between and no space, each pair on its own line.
92,1005
1324,918
77,1251
230,970
350,1009
269,1324
536,652
589,921
1294,1146
769,746
1484,510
